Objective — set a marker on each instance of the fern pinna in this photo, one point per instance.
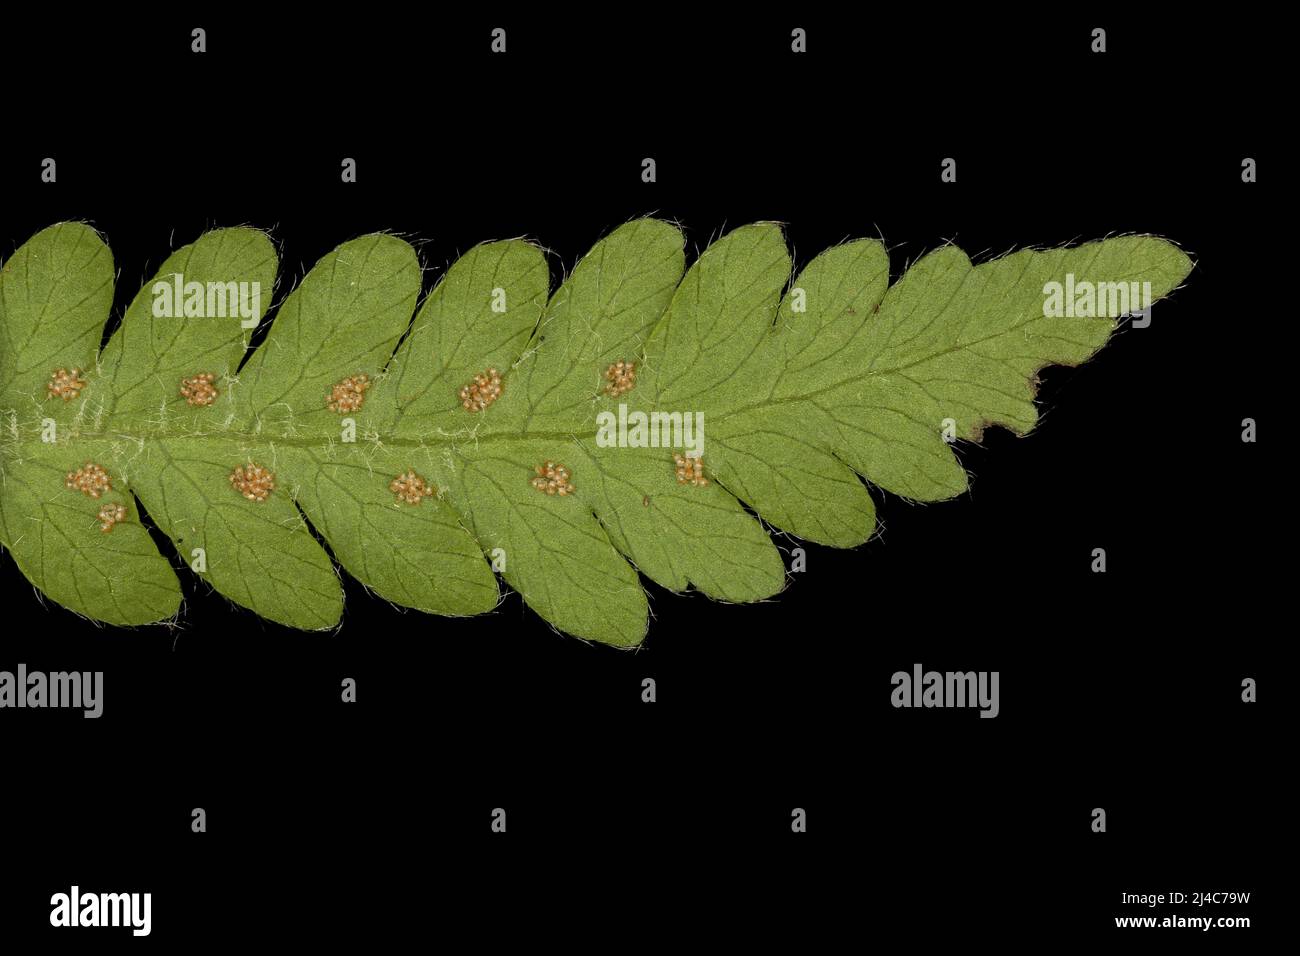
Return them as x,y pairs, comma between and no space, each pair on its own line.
630,422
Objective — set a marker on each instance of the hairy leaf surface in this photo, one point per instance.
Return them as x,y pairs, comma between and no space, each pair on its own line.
805,387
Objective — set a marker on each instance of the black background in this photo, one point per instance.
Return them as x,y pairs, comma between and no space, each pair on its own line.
1118,690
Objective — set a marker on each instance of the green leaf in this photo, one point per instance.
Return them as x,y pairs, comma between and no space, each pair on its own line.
804,388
